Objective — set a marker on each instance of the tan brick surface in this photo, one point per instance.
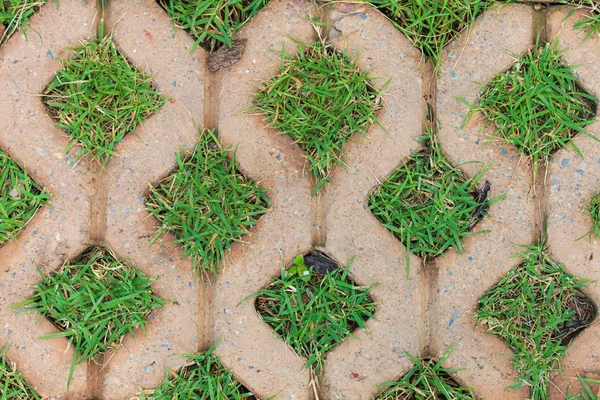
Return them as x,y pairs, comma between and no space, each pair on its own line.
463,278
60,230
357,365
145,34
572,182
257,357
423,314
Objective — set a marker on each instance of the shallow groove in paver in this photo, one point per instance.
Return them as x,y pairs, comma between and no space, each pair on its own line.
212,83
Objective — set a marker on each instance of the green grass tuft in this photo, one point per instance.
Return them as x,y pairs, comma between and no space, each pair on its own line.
426,380
314,312
591,22
12,384
537,105
537,308
20,198
203,378
587,393
428,204
98,97
320,99
593,211
431,24
15,14
212,23
206,203
94,301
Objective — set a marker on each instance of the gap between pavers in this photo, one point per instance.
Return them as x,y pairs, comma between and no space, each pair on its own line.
355,367
143,32
572,181
60,230
260,360
474,58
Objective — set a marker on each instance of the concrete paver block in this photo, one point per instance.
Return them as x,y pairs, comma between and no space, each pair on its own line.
351,230
60,230
474,58
260,360
571,184
143,32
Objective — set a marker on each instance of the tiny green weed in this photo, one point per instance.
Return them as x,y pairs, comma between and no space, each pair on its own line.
12,384
587,393
94,301
20,198
537,308
320,99
314,312
98,97
212,23
426,380
206,203
432,24
428,204
203,378
537,105
15,14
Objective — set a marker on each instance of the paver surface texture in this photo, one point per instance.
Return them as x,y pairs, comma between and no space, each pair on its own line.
424,308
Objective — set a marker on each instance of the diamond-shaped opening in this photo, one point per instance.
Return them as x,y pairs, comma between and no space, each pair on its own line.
427,379
12,383
15,15
207,203
94,300
538,309
212,24
314,306
593,210
98,97
429,204
320,98
431,25
203,377
20,198
538,105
